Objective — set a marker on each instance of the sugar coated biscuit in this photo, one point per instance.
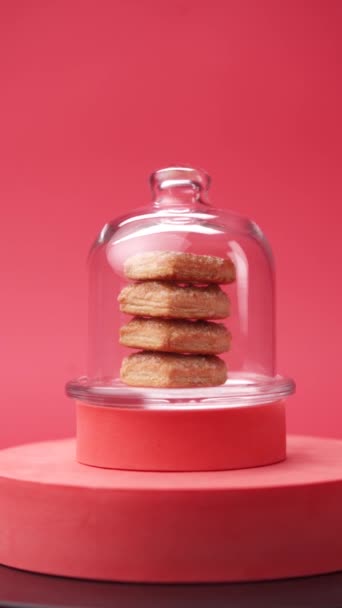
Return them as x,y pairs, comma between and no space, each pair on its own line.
175,336
173,371
178,266
163,299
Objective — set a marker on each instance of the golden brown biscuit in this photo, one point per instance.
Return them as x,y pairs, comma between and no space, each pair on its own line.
173,371
162,299
174,336
178,266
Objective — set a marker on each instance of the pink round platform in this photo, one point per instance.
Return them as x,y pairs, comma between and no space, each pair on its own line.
61,517
208,439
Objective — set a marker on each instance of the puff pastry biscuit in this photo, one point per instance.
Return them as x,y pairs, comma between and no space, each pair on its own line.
175,336
173,371
178,266
163,299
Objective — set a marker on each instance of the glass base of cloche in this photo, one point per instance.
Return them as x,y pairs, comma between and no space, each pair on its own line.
241,389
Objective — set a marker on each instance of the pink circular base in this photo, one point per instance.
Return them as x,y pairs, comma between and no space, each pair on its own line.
179,439
60,517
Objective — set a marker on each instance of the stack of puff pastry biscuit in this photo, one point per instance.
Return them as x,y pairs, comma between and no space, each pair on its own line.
175,299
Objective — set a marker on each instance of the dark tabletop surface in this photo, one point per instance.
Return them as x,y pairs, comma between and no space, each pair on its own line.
24,589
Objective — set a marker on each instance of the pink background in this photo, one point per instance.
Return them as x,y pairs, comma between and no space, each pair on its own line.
95,95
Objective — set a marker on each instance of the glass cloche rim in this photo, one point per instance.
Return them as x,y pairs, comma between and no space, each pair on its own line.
239,391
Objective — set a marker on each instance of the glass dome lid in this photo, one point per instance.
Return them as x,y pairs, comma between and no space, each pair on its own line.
181,305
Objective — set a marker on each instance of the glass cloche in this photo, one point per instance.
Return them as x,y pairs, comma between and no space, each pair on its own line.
181,305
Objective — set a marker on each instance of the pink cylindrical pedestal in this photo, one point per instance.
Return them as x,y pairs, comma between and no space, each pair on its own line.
64,518
180,439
